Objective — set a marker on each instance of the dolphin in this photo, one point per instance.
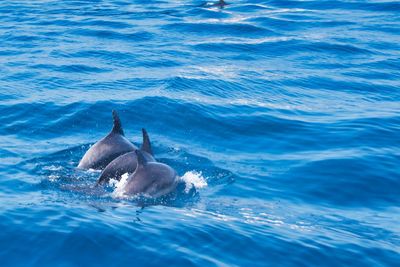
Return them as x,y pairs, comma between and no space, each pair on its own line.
126,163
220,4
107,149
150,178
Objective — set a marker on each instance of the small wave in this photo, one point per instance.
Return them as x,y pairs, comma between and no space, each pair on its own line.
71,68
215,27
107,34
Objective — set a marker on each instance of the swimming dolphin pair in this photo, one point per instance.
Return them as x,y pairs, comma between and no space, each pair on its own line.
116,156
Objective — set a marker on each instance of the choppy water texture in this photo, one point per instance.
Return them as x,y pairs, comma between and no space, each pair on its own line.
283,114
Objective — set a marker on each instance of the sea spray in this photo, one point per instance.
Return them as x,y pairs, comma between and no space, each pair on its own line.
119,191
193,179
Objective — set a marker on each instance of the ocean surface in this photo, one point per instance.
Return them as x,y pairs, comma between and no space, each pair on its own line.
282,118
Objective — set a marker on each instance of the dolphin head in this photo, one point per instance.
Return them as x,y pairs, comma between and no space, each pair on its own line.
153,179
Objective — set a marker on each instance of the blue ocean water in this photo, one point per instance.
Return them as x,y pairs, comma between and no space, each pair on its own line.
283,117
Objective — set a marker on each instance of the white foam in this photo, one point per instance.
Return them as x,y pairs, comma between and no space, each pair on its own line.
52,168
93,170
53,178
119,186
194,179
113,182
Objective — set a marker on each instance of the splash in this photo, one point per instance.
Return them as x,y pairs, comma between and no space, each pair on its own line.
53,178
193,179
119,191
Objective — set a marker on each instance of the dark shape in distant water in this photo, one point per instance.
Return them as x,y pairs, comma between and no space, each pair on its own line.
107,149
126,163
220,4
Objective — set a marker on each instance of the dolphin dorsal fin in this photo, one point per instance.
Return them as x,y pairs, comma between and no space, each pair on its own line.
142,161
117,128
146,146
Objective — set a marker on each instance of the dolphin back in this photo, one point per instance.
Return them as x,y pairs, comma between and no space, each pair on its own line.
108,148
126,163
